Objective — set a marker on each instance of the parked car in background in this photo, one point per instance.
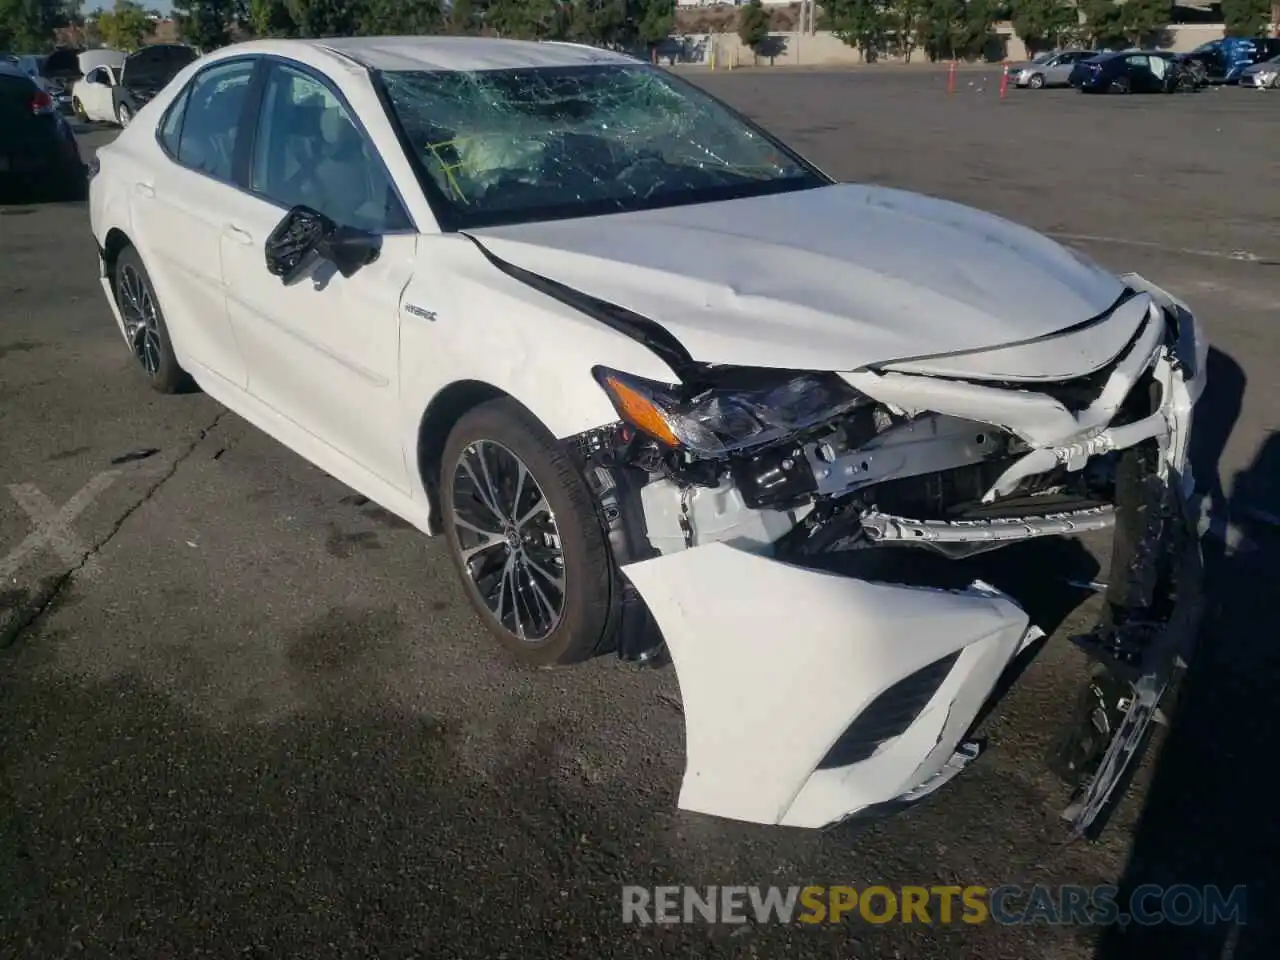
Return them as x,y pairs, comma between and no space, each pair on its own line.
39,157
510,292
61,69
1262,76
1133,71
1049,70
93,96
144,73
1225,59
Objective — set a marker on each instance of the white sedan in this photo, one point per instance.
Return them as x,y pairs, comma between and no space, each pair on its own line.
669,390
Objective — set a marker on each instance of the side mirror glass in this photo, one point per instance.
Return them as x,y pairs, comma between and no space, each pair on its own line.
305,236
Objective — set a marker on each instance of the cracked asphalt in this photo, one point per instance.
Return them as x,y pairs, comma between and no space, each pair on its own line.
244,712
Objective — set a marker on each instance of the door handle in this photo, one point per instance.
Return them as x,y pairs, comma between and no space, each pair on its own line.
146,189
235,233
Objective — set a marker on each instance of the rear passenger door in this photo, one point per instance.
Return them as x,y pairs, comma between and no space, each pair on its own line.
179,214
323,351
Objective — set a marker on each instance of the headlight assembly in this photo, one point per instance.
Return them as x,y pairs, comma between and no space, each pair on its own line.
721,420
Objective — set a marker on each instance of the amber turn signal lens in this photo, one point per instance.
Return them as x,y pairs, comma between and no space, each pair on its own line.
640,412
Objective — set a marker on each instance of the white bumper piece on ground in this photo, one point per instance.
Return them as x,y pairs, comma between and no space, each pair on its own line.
776,661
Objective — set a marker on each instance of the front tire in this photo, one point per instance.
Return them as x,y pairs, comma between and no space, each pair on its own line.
124,114
525,537
78,109
1036,82
1120,86
145,328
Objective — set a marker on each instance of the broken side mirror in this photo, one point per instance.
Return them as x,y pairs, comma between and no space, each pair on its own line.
305,236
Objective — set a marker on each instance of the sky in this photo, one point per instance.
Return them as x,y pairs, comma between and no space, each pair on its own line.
164,6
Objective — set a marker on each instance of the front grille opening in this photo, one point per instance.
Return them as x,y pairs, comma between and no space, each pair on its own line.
888,715
956,494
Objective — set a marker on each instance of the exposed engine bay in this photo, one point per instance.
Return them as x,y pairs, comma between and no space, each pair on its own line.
955,456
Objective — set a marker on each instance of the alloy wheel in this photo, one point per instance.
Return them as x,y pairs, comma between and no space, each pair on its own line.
141,321
508,541
124,115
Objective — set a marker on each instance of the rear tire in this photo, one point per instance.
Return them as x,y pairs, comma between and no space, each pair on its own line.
124,114
145,328
537,569
78,109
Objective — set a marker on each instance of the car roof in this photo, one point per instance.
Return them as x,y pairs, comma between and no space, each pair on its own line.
435,52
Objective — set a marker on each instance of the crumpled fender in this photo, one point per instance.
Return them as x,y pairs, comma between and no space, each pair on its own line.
775,661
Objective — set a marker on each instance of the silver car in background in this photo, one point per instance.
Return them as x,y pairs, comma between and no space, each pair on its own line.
1262,76
1048,69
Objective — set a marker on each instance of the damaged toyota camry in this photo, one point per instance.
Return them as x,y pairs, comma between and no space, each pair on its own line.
670,391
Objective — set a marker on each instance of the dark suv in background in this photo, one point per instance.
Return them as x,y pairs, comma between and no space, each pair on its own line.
145,73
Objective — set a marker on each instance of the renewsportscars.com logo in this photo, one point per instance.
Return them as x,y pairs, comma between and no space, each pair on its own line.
1008,905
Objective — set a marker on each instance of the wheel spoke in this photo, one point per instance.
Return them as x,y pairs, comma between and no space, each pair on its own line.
489,486
511,583
551,578
537,508
521,472
479,488
538,592
523,586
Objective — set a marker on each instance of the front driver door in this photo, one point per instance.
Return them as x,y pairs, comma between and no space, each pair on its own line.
323,352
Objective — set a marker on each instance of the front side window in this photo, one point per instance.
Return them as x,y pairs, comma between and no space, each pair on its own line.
510,146
308,151
214,102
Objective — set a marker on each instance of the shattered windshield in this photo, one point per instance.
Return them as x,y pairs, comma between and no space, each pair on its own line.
514,146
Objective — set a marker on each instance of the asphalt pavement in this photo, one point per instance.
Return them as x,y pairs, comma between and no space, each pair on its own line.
245,713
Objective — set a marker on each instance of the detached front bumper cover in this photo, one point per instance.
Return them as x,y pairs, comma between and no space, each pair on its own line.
811,696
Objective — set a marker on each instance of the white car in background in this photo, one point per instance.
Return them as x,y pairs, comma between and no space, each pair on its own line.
92,95
668,390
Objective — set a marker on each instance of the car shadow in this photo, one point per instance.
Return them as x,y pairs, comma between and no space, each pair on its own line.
1209,819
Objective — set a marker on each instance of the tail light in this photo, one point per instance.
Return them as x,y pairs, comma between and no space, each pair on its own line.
41,103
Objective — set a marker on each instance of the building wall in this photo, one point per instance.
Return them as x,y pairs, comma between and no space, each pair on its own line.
826,49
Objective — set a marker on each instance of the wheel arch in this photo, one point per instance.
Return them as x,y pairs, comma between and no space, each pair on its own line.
445,409
114,243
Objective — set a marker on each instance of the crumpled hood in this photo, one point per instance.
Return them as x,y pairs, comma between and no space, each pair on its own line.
832,278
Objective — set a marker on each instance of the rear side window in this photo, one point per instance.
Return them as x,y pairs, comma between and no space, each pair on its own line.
209,118
171,125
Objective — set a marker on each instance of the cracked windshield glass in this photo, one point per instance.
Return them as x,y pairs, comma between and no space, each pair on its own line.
508,146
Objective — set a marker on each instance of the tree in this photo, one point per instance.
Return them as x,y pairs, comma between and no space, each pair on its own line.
400,17
206,24
26,26
324,18
1043,24
1144,20
271,18
125,26
656,22
462,16
1131,23
863,24
1246,18
753,27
